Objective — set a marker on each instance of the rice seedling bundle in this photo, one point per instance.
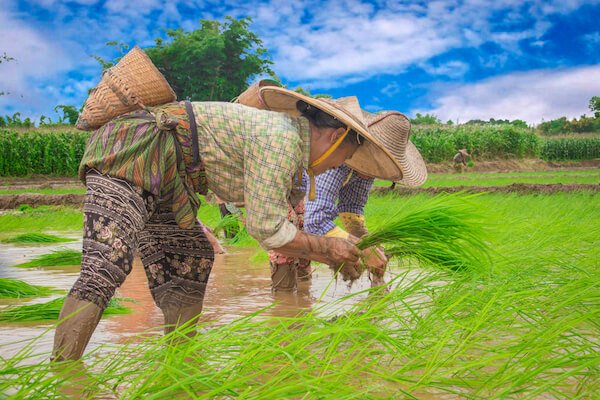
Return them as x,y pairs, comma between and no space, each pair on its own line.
36,238
14,288
50,311
445,231
56,258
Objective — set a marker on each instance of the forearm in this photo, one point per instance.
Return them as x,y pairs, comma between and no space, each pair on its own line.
319,248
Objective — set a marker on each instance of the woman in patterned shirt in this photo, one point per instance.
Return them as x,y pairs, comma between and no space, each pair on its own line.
143,170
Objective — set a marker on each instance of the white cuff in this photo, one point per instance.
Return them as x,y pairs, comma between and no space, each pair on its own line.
283,236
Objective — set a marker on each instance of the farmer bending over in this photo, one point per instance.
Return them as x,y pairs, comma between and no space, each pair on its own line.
460,160
143,169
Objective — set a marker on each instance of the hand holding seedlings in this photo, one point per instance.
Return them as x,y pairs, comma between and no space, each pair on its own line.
375,260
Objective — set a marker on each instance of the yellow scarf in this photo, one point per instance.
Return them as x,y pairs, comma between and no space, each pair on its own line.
312,193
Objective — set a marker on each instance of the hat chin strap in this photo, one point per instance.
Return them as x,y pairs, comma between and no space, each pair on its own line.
312,192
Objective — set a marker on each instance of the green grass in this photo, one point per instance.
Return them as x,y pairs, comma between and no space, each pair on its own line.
36,238
527,328
507,178
55,259
49,311
55,218
15,289
59,190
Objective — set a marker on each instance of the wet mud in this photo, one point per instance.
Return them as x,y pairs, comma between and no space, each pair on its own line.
235,288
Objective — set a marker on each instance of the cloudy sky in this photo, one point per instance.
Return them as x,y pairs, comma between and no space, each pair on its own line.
476,59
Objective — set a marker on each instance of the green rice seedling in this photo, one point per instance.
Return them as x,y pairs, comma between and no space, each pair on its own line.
526,330
57,190
14,289
36,238
55,259
50,311
445,231
229,225
60,218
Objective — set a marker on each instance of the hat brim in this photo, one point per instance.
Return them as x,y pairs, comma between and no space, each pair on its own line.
372,158
393,129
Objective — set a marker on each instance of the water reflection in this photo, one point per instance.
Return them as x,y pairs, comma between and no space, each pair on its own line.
236,288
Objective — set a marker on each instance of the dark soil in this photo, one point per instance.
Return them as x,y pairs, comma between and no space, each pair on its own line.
9,201
517,166
12,201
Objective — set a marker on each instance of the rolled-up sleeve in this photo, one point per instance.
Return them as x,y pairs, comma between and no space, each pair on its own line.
270,163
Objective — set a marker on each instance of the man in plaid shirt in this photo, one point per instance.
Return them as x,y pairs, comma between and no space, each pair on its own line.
340,192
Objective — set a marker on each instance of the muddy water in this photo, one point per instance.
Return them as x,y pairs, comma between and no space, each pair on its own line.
236,287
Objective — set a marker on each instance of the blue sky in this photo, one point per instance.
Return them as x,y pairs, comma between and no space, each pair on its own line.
461,60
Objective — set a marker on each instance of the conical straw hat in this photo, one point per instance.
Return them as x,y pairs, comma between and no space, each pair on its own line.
381,163
134,82
392,129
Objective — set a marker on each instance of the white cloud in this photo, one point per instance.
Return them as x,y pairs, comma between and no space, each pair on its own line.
337,39
37,57
319,44
531,96
452,69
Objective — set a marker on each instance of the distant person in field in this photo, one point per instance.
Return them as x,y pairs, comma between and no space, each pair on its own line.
460,160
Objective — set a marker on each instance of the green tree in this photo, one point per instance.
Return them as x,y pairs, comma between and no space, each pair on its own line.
426,119
70,114
214,62
595,106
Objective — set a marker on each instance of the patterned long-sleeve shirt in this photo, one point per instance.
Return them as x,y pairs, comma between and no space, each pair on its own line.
249,156
336,193
252,156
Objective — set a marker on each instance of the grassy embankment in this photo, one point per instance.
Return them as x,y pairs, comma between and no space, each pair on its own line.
584,176
524,326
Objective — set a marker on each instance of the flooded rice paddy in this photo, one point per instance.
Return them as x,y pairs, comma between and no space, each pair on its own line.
236,288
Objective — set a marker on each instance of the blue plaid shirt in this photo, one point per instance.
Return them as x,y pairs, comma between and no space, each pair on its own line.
334,197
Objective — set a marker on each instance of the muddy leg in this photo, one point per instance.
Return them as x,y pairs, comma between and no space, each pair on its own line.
304,270
114,211
284,277
177,315
74,333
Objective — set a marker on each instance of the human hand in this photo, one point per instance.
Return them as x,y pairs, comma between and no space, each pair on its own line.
375,260
344,258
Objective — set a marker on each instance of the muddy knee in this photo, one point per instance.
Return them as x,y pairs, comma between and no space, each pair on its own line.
284,277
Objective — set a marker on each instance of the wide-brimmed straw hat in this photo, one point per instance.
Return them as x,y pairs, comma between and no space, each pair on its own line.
392,129
377,161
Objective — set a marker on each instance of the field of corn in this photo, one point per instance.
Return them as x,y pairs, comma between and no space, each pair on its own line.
57,152
522,321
